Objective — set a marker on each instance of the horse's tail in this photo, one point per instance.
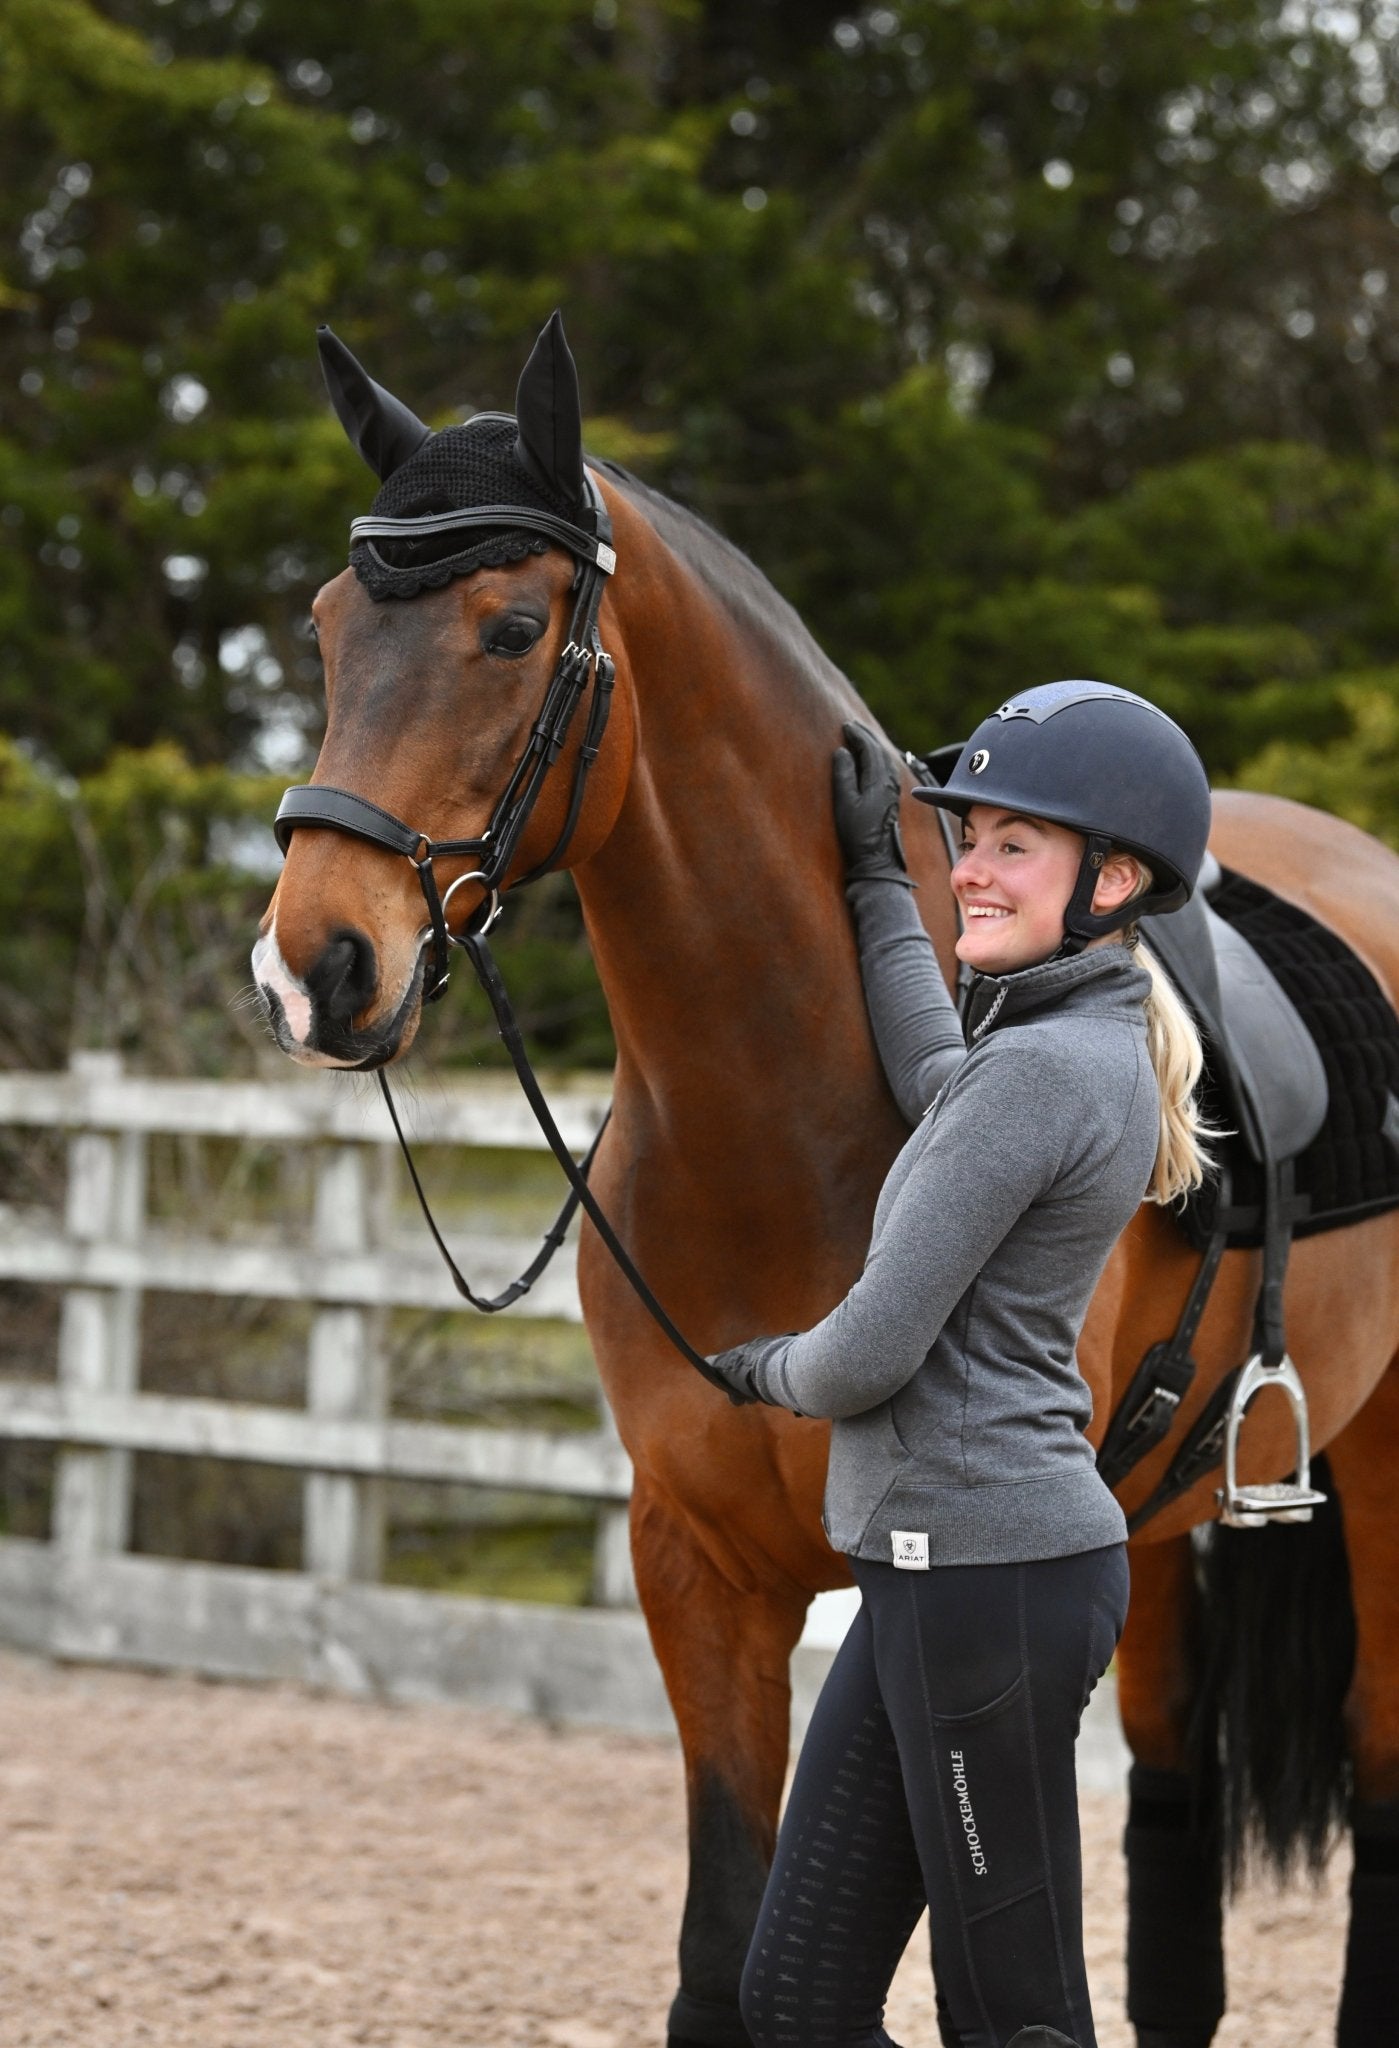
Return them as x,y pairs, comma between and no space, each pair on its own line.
1278,1652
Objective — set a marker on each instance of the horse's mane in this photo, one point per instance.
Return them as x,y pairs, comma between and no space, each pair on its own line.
737,582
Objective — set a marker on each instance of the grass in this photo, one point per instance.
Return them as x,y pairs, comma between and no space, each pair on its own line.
547,1561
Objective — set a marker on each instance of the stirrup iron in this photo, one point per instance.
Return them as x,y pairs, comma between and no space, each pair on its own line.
1287,1500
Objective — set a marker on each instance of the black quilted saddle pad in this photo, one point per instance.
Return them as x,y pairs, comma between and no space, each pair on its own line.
1351,1168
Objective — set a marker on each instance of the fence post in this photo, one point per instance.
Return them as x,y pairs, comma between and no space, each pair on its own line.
100,1327
347,1377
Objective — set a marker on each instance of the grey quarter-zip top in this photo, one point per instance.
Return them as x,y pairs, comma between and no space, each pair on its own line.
949,1370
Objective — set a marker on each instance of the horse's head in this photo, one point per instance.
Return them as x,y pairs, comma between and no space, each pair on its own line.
465,692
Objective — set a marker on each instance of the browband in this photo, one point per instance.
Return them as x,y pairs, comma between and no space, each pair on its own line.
595,547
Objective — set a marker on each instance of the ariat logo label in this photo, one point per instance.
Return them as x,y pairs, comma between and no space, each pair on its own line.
965,1814
910,1549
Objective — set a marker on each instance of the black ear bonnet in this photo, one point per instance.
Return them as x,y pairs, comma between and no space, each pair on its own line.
460,468
489,492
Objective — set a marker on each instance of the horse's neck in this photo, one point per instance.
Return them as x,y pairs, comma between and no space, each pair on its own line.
714,909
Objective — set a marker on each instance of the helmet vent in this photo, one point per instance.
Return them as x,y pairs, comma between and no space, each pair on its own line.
1047,698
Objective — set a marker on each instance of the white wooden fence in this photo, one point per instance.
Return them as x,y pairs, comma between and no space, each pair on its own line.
83,1594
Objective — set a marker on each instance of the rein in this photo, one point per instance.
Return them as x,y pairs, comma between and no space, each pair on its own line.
477,949
344,810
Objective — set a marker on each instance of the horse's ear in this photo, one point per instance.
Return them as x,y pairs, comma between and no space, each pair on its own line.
549,414
385,432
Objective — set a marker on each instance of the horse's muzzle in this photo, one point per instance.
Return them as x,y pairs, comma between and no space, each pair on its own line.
312,1018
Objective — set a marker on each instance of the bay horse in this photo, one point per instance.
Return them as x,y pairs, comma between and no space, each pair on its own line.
752,1126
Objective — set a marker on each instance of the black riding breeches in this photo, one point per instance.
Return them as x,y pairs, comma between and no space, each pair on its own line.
939,1770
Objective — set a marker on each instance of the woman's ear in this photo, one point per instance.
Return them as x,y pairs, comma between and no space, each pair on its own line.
1120,878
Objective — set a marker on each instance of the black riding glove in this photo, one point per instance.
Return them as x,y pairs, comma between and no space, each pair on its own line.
867,784
740,1369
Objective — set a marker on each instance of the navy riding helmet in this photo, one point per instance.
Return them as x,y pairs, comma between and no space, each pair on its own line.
1105,763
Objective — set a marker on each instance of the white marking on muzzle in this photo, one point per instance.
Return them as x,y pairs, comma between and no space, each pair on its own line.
275,978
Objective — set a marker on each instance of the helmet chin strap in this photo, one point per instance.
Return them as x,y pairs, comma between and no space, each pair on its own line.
1081,921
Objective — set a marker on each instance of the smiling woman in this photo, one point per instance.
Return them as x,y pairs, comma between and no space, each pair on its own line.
1013,878
1034,877
939,1763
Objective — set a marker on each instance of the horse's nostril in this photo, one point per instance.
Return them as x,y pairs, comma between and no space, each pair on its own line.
344,979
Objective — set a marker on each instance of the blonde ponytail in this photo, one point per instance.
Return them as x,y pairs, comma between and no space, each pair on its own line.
1177,1057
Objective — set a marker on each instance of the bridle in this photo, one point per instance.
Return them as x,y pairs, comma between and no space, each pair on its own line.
345,810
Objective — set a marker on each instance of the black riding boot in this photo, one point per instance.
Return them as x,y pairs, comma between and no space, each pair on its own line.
1040,2037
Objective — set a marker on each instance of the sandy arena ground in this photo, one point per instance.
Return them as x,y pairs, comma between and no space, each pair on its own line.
217,1867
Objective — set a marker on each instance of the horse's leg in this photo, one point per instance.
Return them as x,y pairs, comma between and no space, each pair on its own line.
1364,1458
1175,1937
724,1651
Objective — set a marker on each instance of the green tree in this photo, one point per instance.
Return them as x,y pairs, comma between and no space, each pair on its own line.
1137,228
1356,774
1014,339
125,907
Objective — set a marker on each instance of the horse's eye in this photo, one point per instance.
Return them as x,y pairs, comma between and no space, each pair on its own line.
511,636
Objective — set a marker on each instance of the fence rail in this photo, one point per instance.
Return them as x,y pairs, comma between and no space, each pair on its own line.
523,1460
83,1594
30,1250
95,1095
